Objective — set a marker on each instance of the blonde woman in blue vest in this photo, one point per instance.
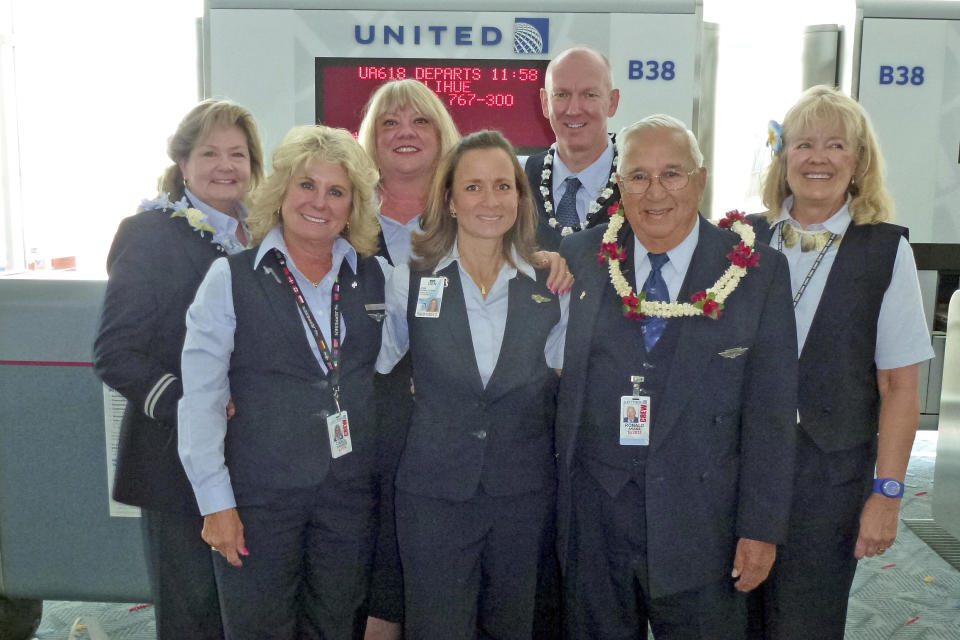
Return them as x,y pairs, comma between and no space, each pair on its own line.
476,480
290,329
862,337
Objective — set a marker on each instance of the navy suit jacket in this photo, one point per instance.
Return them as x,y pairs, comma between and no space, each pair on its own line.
464,435
155,265
720,465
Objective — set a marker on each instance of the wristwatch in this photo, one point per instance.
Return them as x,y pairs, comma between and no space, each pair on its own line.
890,487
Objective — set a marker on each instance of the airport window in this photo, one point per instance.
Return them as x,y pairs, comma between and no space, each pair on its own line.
90,93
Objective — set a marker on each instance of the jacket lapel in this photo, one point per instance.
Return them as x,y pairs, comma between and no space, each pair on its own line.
586,298
457,324
699,336
521,310
199,251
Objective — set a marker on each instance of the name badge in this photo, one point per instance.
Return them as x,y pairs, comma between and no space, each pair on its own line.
635,420
338,428
430,297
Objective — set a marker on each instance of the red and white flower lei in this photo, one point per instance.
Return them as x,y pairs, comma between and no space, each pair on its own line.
703,303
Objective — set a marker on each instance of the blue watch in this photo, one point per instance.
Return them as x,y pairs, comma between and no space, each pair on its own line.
889,487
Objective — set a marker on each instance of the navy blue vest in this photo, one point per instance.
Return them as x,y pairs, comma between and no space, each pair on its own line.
617,353
839,398
278,438
464,436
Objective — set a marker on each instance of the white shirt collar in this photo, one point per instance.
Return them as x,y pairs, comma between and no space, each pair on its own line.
522,266
342,250
219,220
594,177
680,256
837,223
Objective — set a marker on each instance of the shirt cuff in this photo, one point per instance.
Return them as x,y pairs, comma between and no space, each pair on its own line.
215,498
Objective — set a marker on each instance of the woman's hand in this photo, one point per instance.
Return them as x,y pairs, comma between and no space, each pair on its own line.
231,410
379,629
560,280
223,531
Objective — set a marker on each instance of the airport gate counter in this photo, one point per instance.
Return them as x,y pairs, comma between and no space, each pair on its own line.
61,536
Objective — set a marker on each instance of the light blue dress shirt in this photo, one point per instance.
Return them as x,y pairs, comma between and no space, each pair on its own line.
593,179
675,270
487,317
902,337
398,237
211,323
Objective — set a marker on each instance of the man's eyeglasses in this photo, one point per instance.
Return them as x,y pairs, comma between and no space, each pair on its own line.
638,183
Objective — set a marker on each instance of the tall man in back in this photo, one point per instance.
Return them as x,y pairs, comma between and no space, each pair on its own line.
572,182
670,519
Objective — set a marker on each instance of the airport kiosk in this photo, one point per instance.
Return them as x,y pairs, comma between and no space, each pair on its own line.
907,76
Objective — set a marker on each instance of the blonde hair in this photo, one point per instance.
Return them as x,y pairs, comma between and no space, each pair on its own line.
823,106
440,227
201,120
400,94
316,143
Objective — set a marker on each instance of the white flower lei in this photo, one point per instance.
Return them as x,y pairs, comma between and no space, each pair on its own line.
718,293
546,189
195,218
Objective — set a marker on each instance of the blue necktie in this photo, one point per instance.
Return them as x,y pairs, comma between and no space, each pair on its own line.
656,289
567,207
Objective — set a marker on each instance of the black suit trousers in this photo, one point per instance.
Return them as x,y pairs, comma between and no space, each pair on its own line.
308,571
807,592
181,577
606,596
470,568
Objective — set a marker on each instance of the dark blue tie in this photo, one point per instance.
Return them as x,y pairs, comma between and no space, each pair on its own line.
567,207
656,289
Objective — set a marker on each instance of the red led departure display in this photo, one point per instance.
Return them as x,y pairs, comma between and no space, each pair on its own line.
480,94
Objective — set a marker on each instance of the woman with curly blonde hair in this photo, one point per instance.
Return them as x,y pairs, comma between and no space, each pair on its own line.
862,336
290,331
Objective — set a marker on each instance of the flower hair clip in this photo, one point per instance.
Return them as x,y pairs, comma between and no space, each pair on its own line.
774,136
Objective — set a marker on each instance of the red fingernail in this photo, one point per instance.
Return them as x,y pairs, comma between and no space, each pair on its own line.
244,551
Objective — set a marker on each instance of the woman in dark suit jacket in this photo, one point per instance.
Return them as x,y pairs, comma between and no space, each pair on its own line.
155,264
476,480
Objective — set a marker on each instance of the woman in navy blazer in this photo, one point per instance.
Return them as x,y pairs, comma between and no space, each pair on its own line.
476,480
155,264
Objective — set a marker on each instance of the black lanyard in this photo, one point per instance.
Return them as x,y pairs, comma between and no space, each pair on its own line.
816,263
331,357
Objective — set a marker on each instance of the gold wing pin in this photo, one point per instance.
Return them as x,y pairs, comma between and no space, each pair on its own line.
540,299
733,353
583,294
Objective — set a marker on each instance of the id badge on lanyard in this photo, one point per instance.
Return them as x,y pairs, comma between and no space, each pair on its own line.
635,416
338,425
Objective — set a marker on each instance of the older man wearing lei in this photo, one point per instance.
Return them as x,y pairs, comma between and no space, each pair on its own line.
670,520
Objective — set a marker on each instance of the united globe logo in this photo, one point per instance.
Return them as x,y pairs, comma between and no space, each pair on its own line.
531,35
